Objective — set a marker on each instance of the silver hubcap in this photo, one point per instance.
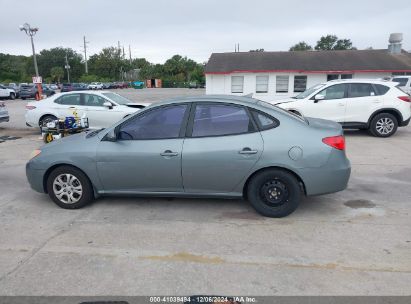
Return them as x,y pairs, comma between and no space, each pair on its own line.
67,188
385,126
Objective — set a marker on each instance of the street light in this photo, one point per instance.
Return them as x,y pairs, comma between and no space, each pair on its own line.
31,31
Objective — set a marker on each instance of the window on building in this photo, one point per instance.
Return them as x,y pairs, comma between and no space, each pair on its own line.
401,73
282,84
237,84
332,77
361,90
346,76
261,84
300,83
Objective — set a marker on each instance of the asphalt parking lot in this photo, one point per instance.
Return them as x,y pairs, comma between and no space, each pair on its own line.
355,242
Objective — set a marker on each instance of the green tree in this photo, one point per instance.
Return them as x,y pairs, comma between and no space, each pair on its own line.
56,73
301,46
331,42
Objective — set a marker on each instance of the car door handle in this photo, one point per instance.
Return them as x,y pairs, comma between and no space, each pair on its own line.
169,153
247,151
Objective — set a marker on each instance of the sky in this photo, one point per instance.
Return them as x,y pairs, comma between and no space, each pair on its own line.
157,30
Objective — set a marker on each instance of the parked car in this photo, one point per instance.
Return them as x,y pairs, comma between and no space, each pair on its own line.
69,87
95,86
7,93
14,87
31,91
102,108
193,85
106,85
404,83
53,87
207,146
375,105
4,114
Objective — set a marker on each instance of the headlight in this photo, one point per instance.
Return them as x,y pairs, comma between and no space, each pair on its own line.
35,153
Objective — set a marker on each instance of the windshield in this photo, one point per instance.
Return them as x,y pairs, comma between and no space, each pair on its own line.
308,92
117,98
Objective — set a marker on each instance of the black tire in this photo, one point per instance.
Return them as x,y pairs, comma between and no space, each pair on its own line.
274,193
383,125
81,179
45,119
12,96
23,98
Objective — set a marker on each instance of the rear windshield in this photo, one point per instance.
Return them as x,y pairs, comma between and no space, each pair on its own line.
402,81
291,114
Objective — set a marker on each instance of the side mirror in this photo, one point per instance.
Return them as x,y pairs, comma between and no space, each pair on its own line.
318,97
108,104
111,135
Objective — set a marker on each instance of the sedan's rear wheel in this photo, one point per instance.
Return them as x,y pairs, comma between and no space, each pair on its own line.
69,188
274,193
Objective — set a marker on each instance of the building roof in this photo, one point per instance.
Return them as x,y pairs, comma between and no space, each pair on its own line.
309,61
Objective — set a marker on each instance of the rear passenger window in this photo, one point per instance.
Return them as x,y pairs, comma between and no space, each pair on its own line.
381,89
218,120
264,121
69,99
361,90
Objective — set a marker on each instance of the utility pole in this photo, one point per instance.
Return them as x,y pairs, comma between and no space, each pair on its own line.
85,53
31,31
129,52
67,66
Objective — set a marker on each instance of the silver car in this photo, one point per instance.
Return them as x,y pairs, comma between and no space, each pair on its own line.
203,146
4,114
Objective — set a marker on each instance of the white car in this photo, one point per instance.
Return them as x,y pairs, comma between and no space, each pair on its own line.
4,114
101,108
7,92
95,86
376,105
404,83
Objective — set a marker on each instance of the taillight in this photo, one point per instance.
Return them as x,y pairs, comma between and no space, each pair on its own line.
30,107
405,98
337,142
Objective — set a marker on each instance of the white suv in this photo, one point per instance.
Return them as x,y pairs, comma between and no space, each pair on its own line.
376,105
404,83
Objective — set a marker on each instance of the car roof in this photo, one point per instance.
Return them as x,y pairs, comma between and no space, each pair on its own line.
401,76
359,80
244,100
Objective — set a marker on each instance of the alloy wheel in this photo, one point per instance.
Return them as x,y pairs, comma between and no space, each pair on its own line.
384,126
67,188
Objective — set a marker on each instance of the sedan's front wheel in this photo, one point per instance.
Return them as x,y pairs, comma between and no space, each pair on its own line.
69,188
274,193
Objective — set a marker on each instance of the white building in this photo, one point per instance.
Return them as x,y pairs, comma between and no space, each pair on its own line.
274,75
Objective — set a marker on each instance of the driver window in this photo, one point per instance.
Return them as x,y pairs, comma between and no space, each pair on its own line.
161,123
92,100
334,92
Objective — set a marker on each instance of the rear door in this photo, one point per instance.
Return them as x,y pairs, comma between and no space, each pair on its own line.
69,105
221,148
362,100
3,91
332,107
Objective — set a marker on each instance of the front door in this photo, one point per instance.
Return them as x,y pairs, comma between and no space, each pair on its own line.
222,147
331,107
147,154
98,115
